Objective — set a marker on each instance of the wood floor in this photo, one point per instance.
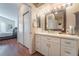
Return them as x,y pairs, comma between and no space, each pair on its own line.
12,48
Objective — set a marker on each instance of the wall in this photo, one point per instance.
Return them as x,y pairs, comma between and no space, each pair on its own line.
70,16
6,23
10,11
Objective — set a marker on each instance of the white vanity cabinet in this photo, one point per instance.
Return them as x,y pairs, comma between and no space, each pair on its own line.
69,47
49,45
44,45
54,48
41,44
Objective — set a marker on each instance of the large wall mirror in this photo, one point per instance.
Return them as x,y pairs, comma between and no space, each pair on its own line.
56,21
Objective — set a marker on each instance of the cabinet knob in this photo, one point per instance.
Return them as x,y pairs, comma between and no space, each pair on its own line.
67,52
67,42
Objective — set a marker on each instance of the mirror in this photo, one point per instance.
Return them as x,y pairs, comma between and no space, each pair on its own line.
56,21
38,21
51,22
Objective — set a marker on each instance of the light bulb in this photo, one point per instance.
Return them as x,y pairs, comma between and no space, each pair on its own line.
59,7
54,8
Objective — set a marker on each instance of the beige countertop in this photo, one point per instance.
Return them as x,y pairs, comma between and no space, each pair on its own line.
59,35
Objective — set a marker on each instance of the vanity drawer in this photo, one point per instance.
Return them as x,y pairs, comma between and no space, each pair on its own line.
68,42
53,39
68,51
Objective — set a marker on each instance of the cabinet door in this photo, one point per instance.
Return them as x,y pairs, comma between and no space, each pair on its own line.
44,45
54,49
38,43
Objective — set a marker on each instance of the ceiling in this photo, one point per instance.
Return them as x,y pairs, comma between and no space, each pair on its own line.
38,4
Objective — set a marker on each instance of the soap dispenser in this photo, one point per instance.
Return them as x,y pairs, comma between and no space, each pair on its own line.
71,30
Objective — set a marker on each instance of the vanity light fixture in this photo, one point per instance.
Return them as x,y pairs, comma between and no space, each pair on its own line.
61,7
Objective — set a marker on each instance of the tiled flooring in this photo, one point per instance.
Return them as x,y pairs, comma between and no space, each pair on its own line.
12,48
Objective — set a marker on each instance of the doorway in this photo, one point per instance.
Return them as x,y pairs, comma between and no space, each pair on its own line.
27,29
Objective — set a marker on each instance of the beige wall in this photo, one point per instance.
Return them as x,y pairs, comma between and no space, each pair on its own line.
70,16
32,27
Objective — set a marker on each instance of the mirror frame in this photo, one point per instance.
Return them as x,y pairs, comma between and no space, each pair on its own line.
64,22
38,22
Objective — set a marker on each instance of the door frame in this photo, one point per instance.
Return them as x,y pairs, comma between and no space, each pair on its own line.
24,25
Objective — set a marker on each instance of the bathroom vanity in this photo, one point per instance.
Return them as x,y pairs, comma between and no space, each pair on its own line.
54,44
51,43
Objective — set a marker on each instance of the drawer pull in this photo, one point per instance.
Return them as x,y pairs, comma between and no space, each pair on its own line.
48,38
67,52
67,42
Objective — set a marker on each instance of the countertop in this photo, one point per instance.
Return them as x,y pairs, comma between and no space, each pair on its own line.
59,35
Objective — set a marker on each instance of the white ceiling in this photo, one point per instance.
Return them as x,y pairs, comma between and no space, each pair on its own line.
9,10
